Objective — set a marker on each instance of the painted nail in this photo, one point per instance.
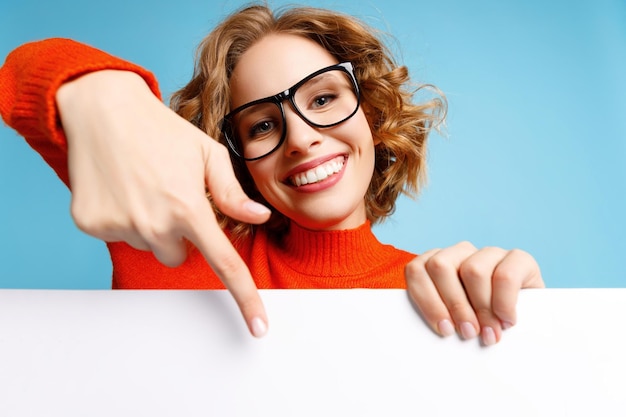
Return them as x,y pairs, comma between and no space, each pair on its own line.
258,327
445,328
256,208
506,325
488,336
467,330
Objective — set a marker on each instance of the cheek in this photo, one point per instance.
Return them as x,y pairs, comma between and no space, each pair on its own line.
363,130
362,125
367,116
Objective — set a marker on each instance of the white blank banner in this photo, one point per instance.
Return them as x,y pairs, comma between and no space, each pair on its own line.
328,353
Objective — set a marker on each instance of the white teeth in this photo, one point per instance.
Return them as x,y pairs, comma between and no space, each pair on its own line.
318,173
321,173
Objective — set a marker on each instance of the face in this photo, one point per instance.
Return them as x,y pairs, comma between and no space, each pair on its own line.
319,176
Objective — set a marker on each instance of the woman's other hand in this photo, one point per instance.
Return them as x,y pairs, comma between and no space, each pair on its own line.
471,291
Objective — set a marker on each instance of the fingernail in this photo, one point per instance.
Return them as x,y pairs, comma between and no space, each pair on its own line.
258,327
445,328
256,208
506,325
467,330
488,336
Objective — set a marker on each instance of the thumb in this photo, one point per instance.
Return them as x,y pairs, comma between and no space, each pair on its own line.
226,191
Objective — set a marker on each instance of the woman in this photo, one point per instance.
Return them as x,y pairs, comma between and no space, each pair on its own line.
320,127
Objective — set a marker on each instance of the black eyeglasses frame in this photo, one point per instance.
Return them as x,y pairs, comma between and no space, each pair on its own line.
278,99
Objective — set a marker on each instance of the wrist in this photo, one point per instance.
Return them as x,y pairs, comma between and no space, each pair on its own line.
98,87
101,98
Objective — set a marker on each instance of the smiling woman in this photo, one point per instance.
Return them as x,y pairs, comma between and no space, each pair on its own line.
519,169
304,131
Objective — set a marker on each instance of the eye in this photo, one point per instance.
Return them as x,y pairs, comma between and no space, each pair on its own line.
322,100
260,129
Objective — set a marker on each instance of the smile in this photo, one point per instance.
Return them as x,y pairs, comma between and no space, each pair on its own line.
319,173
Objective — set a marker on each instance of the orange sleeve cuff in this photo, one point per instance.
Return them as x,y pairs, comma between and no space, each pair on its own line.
29,80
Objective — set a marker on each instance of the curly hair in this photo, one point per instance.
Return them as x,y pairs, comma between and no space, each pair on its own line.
399,126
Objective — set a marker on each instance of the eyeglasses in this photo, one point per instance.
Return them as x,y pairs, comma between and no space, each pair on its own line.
326,98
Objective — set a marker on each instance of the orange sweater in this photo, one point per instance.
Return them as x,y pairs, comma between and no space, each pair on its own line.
354,258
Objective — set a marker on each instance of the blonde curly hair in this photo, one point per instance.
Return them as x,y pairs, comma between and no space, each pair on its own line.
398,125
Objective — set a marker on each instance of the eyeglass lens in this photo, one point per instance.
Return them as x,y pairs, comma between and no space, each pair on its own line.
325,100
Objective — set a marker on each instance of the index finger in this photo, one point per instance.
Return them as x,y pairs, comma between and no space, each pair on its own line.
205,233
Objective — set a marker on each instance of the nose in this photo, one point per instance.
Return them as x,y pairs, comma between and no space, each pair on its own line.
301,137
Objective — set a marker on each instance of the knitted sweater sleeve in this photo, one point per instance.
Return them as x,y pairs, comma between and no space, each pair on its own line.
29,80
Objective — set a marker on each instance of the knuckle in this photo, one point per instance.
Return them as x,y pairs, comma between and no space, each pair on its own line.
414,269
231,192
84,223
519,253
147,230
437,265
153,230
504,275
87,220
466,245
180,208
164,239
458,308
484,313
472,270
223,196
183,210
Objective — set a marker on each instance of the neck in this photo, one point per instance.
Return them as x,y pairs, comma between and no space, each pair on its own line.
331,252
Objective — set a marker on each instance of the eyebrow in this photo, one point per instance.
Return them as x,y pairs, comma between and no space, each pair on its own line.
322,77
318,78
255,108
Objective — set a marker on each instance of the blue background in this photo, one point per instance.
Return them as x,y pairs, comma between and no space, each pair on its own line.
533,156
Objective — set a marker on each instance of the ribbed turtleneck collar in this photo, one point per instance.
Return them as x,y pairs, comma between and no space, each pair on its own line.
333,253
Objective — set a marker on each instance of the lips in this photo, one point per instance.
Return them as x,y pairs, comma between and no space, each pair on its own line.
317,173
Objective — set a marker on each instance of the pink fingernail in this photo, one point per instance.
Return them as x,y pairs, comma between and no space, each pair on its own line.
445,328
488,336
467,330
258,327
506,325
256,208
